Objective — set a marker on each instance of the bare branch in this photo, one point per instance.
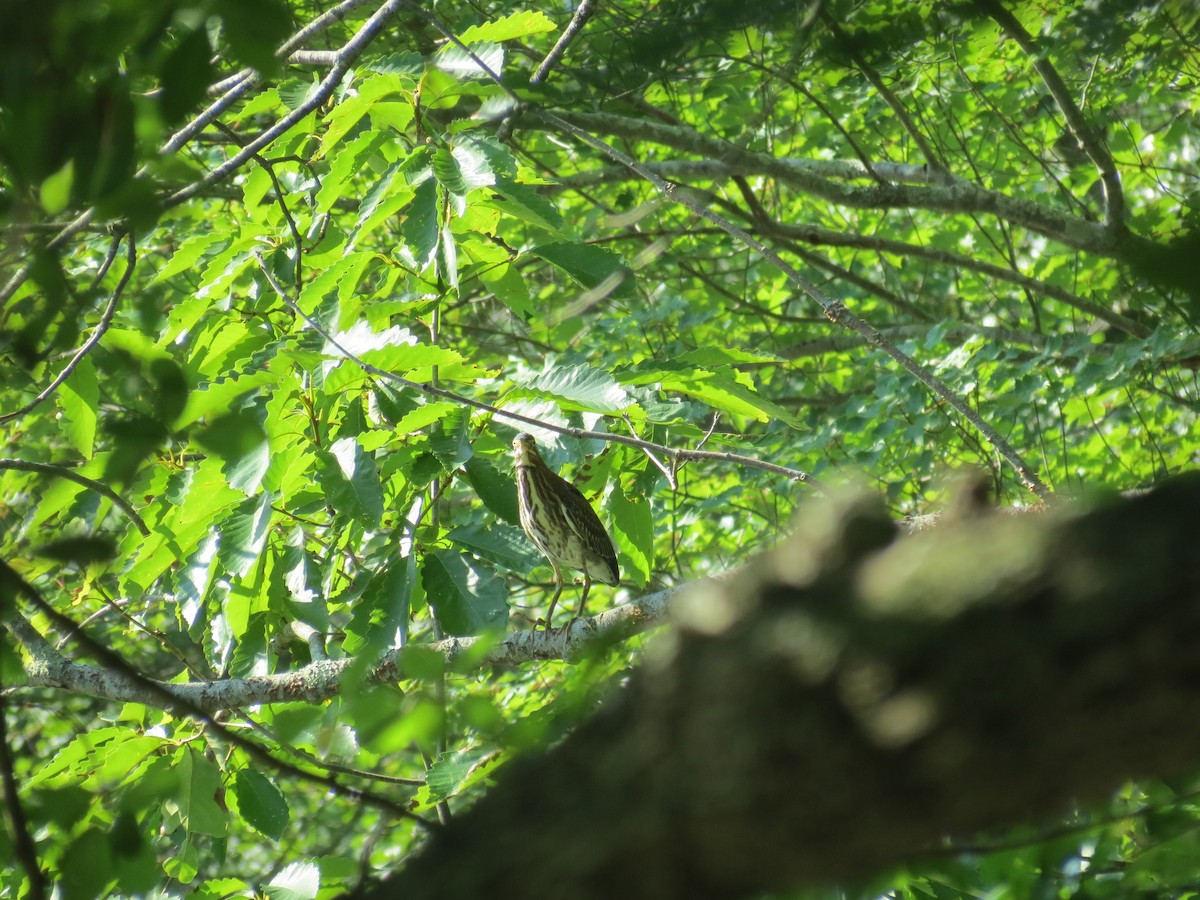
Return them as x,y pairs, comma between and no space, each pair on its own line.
48,668
582,13
346,56
323,679
959,196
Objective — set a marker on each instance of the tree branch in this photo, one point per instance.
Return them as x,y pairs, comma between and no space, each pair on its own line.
960,197
1089,140
321,680
676,454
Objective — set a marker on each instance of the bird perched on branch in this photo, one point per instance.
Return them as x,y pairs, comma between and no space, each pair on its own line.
561,522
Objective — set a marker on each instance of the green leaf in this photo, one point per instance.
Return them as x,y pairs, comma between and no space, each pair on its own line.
185,75
351,482
718,391
297,881
580,387
506,283
633,532
500,544
449,774
419,228
243,534
497,491
450,440
596,269
445,168
522,202
86,868
519,24
240,442
56,190
199,785
261,803
424,416
78,398
350,112
484,61
382,612
467,598
79,551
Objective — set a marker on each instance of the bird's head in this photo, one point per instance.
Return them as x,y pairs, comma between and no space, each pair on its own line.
525,449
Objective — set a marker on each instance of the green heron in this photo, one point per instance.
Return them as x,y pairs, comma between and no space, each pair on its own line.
563,525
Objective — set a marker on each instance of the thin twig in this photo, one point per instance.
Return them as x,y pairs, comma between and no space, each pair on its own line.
582,13
662,467
280,196
1089,140
105,321
345,57
120,502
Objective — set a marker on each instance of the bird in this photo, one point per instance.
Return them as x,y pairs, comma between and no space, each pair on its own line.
562,524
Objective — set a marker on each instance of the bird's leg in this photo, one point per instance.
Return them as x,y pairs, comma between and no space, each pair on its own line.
587,583
558,589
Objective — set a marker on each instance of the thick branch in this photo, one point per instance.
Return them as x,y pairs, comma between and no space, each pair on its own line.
321,680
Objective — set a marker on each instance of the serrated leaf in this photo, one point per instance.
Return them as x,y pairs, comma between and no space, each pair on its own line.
351,110
390,193
449,440
243,534
383,609
424,416
519,24
454,61
261,803
633,532
708,357
523,202
506,282
466,597
501,544
450,772
718,391
199,782
297,881
419,228
580,388
351,481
